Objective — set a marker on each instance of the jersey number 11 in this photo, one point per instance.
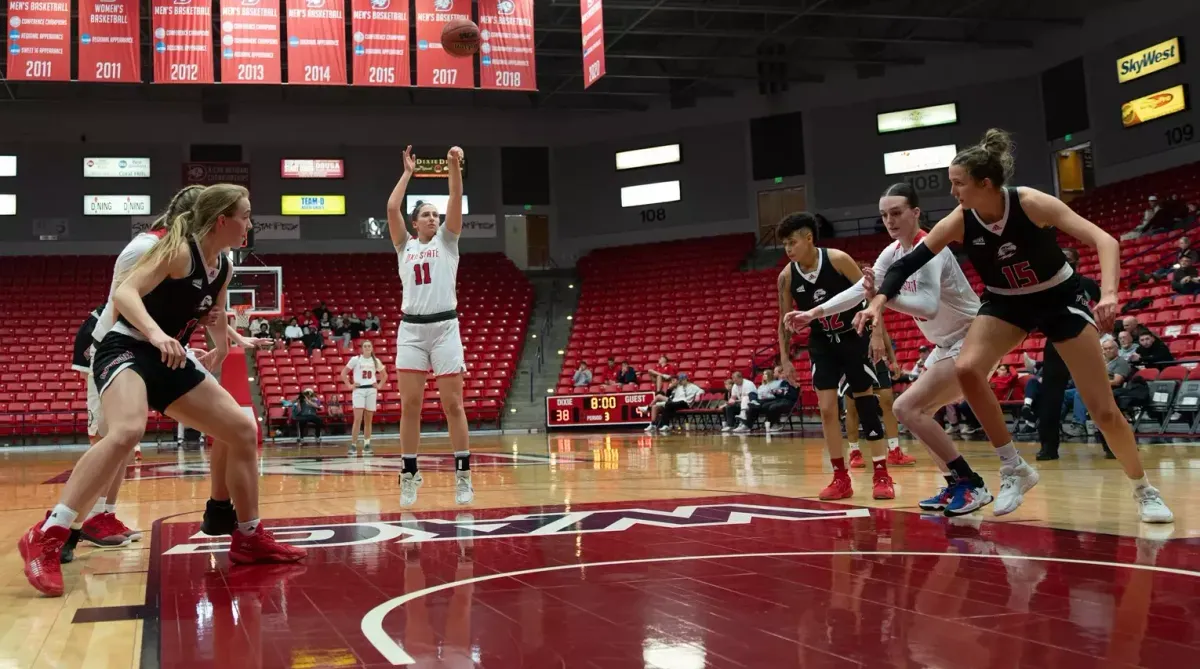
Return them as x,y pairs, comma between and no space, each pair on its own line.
422,272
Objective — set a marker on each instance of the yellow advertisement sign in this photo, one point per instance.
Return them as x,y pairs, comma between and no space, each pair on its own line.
313,205
1147,61
1155,105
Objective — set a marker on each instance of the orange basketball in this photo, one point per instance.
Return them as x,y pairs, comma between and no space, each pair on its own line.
461,38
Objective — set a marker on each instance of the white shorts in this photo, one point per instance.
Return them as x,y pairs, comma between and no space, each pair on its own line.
430,347
95,425
939,354
364,398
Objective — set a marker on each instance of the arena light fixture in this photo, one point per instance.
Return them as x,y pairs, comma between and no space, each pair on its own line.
8,166
647,157
8,204
919,160
647,194
921,117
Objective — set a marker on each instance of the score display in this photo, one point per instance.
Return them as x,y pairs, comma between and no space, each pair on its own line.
598,409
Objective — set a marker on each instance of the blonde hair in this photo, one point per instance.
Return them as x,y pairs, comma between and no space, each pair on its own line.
184,200
991,158
197,221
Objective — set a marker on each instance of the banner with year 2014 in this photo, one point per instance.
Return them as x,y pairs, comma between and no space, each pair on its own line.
435,67
109,48
506,60
182,33
250,42
316,42
380,37
39,40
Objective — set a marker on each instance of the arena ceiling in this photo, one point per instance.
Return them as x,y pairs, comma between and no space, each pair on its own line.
679,51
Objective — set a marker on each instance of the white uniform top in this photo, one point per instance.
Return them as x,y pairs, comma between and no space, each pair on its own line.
129,257
364,372
429,273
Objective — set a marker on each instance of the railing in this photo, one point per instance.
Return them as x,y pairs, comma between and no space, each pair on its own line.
539,355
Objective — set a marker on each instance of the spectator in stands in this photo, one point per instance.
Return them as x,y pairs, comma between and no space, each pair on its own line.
1119,372
656,405
1185,250
626,374
740,396
312,339
356,326
1151,351
325,323
610,369
663,373
371,322
1186,280
1125,345
321,312
341,330
307,411
583,376
1004,382
911,374
683,396
293,332
1147,216
780,402
765,391
256,325
1131,325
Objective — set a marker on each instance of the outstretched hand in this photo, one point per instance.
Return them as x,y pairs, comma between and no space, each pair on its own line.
454,156
410,162
869,283
796,320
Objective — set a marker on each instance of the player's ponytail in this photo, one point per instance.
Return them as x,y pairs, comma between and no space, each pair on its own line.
992,158
197,222
184,200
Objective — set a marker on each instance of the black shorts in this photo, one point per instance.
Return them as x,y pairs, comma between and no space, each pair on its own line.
1060,313
883,379
164,385
844,358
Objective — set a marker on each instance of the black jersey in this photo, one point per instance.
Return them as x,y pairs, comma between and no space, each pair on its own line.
177,305
829,282
1013,253
81,358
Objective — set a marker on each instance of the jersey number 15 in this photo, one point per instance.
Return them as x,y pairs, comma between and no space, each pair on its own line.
422,274
1019,274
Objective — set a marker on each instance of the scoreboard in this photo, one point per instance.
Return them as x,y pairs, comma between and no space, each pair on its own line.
598,409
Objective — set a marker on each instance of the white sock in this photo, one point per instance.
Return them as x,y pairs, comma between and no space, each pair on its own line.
61,516
1140,484
893,443
879,458
247,528
76,525
1009,456
853,446
1028,402
366,442
98,509
110,508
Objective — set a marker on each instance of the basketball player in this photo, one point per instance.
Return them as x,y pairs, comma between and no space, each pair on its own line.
369,376
1010,234
896,457
170,289
941,301
837,351
428,338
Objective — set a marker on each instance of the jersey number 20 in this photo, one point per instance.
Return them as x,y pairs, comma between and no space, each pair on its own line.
1019,275
422,272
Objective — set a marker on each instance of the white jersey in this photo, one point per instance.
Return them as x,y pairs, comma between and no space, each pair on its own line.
365,370
429,273
129,257
938,296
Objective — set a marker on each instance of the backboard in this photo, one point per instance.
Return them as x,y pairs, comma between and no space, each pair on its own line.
257,286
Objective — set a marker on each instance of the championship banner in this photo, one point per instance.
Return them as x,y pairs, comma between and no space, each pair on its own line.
435,67
207,174
276,227
250,42
109,49
506,60
380,34
591,22
479,226
39,40
316,36
182,32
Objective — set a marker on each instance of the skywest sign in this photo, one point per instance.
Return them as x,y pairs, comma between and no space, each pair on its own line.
1147,61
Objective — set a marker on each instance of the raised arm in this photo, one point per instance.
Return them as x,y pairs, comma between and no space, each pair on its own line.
454,206
395,204
142,280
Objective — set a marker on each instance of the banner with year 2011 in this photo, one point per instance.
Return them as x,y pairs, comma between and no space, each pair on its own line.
380,38
435,67
182,33
39,40
507,60
250,42
109,47
316,42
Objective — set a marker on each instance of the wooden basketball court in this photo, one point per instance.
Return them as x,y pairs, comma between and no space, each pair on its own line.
616,550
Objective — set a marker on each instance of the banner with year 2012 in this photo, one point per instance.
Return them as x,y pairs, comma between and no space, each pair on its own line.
507,60
250,42
380,37
39,40
182,34
435,67
109,48
316,42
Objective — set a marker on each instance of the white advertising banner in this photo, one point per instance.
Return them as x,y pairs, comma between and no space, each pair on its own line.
116,205
276,227
480,225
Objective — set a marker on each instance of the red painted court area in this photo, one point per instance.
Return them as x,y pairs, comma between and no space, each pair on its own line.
747,581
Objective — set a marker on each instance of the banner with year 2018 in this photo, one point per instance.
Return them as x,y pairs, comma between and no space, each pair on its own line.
316,42
435,67
109,47
506,60
182,34
380,38
591,20
250,42
39,40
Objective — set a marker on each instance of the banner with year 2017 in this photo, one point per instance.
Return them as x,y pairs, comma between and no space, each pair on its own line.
182,34
250,42
435,67
380,38
507,60
109,45
316,42
39,40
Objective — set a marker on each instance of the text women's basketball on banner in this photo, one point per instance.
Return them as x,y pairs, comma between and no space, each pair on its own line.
316,42
591,21
250,42
506,57
39,40
380,36
435,67
182,41
109,48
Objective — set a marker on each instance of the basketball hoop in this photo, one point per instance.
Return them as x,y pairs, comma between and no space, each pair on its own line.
241,316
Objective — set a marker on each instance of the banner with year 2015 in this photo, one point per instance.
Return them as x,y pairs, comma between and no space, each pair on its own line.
506,60
380,37
250,42
182,33
435,67
316,42
39,40
109,47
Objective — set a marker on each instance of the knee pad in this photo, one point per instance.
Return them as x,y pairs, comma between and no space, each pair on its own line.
869,417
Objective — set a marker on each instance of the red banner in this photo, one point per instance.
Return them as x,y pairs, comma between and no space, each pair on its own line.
435,67
380,30
316,41
591,19
506,60
109,49
39,40
250,42
207,174
182,31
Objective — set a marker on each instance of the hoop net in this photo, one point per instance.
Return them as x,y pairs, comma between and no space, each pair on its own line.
241,316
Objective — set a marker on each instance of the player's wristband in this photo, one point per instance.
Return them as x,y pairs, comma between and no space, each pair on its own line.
903,268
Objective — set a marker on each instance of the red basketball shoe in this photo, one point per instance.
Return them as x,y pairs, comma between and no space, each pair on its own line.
101,530
883,487
856,460
261,547
40,551
898,458
840,488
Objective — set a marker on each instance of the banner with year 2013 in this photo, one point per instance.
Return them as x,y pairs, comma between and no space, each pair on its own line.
380,37
182,34
109,47
250,42
435,67
39,40
316,42
507,60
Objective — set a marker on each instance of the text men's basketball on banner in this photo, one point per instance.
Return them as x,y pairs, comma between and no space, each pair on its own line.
435,67
182,33
380,37
250,42
109,48
591,23
316,36
39,40
506,60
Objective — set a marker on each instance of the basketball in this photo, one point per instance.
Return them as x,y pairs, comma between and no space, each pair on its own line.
461,38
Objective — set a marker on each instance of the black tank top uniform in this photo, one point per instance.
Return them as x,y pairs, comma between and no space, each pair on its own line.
177,305
837,352
81,357
810,294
